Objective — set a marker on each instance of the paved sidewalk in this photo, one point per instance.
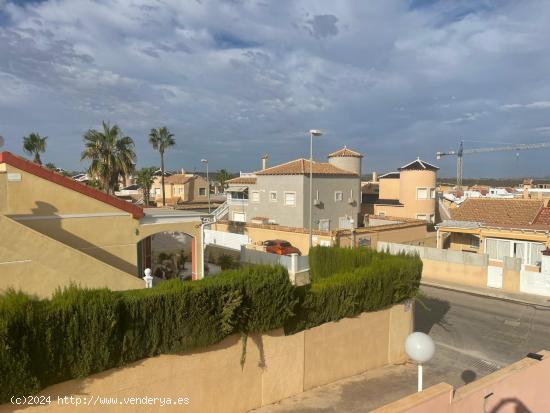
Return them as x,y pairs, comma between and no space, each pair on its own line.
489,292
378,387
360,393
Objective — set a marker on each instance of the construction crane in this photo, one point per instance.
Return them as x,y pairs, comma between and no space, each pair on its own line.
461,152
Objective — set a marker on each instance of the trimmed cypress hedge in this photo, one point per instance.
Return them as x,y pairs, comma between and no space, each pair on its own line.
325,262
369,281
79,332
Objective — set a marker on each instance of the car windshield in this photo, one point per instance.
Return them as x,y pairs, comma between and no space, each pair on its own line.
285,244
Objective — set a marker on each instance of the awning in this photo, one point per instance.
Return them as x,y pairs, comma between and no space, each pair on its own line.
240,189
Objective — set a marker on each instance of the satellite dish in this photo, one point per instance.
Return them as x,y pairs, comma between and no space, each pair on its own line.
1,141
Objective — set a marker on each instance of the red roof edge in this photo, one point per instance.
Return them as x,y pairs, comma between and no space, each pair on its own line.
44,173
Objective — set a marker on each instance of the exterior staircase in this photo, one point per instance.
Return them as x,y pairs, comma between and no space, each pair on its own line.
221,212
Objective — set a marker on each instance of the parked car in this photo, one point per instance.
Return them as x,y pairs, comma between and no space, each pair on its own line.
280,247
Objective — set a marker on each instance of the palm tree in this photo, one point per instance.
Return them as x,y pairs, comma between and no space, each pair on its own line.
34,145
145,178
223,176
112,155
161,139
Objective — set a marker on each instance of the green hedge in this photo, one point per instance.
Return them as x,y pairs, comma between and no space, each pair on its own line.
375,281
325,261
80,331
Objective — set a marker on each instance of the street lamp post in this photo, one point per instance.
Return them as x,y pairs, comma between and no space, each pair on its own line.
312,133
419,347
205,161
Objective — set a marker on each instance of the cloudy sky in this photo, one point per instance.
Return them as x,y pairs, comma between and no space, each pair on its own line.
233,79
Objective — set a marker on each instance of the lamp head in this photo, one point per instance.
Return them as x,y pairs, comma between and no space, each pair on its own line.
315,132
204,160
419,347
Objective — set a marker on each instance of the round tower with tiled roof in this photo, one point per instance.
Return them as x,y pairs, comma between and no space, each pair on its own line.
346,159
417,189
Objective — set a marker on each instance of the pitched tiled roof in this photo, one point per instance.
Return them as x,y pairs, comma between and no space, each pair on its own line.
419,165
345,152
56,178
177,179
507,213
543,218
302,166
242,180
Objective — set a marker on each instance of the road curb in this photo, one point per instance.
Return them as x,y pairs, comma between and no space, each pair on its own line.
488,294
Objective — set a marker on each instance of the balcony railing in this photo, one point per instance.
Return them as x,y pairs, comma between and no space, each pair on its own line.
240,202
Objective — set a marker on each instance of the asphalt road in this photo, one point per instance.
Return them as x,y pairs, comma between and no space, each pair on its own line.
474,336
493,331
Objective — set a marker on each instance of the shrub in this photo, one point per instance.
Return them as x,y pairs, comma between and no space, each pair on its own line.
81,331
327,261
19,369
379,280
225,262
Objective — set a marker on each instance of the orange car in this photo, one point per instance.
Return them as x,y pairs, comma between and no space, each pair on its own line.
280,247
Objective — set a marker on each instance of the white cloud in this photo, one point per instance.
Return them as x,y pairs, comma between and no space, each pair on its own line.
254,72
545,104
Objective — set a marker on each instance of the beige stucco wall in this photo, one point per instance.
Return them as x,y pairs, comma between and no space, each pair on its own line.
298,239
276,367
346,348
519,387
347,163
370,237
410,181
187,192
435,399
470,275
36,264
389,189
79,222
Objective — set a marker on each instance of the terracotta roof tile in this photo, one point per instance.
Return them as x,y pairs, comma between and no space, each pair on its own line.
543,218
242,180
177,179
345,152
509,213
56,178
302,166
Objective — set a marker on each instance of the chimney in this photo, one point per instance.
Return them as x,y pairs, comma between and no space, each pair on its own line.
264,161
375,177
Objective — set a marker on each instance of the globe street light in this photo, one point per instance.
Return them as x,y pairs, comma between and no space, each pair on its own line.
312,133
419,347
205,161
